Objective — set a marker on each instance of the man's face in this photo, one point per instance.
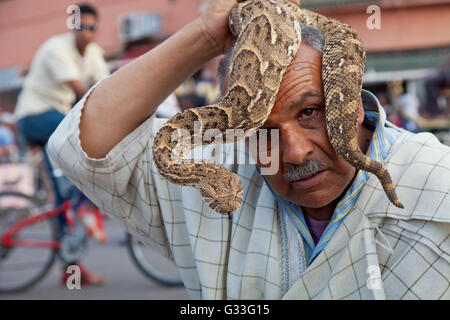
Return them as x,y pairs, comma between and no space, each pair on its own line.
87,31
299,115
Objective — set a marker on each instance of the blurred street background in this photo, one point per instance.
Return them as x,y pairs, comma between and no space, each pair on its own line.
123,280
408,69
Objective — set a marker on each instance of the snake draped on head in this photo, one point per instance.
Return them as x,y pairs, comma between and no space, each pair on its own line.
268,35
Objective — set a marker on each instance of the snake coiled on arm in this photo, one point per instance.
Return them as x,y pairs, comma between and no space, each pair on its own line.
268,36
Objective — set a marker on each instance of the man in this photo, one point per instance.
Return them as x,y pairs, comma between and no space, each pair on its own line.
61,71
274,246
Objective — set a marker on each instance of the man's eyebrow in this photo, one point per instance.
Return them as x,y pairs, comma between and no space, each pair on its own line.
304,97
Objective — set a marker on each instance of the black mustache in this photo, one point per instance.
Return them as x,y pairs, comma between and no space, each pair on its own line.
299,171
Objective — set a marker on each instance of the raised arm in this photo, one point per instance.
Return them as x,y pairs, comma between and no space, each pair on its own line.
124,100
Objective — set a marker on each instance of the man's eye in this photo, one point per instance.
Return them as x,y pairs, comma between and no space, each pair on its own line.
308,113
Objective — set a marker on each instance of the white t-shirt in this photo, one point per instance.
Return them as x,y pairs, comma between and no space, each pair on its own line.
55,63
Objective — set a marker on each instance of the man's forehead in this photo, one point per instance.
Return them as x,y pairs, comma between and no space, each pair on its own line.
305,96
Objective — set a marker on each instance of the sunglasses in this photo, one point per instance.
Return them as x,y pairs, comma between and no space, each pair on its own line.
89,27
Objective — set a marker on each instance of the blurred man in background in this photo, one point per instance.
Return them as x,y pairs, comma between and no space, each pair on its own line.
61,72
433,85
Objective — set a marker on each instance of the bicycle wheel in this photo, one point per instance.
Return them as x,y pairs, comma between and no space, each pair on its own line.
152,264
22,267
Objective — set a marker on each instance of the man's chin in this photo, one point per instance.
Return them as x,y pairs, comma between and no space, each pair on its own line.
83,42
313,203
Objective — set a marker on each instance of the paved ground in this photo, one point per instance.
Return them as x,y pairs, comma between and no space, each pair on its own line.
124,281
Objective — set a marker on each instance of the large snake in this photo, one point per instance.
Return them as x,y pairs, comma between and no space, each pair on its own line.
268,36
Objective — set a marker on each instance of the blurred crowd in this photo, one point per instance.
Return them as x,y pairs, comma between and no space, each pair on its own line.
416,112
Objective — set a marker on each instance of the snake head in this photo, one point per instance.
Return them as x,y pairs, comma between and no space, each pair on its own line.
222,198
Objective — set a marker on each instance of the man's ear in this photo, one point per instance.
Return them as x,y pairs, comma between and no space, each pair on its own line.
360,113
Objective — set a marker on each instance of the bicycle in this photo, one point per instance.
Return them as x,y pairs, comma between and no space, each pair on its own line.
28,230
162,269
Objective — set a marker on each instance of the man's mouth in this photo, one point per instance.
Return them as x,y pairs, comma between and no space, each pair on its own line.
307,176
308,181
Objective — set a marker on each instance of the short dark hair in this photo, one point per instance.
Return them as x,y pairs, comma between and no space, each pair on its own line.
86,8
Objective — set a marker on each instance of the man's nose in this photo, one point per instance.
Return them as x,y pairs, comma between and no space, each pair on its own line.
296,146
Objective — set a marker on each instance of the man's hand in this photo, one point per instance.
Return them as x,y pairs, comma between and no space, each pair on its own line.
215,22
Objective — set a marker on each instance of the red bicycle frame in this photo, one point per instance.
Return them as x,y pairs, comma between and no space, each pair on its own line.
8,238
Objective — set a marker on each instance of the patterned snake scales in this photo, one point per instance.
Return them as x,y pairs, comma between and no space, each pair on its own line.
268,36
